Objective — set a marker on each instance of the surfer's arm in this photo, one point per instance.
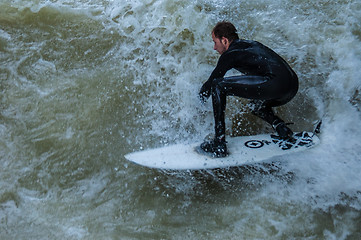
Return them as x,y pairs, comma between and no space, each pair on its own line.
222,67
205,91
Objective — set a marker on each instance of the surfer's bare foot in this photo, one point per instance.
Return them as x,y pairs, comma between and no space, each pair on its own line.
216,147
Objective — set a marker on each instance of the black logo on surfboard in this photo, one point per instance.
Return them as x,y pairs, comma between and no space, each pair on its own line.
254,144
301,139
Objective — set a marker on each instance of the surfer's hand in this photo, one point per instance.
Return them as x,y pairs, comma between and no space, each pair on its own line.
203,96
205,92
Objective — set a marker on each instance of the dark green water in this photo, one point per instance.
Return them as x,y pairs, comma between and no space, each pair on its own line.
85,82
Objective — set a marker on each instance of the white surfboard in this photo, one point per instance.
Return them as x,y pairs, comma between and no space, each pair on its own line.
242,150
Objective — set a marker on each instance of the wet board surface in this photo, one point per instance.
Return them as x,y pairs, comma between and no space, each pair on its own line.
242,150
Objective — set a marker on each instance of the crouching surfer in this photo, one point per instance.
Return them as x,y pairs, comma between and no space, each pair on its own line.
267,80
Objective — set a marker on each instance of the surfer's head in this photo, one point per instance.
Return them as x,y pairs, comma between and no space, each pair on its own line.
223,34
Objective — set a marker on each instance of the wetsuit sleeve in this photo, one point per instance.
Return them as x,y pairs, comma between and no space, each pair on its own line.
223,65
205,91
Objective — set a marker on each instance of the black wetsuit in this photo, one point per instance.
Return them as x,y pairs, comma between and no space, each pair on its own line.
268,80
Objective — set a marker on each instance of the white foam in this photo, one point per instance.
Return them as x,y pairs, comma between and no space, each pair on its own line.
160,53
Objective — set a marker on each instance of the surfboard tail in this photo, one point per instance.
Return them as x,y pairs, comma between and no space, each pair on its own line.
317,129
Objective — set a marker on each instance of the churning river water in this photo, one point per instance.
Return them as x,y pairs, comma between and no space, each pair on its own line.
85,82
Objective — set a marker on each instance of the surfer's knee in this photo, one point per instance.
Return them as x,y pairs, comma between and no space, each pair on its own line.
217,89
216,83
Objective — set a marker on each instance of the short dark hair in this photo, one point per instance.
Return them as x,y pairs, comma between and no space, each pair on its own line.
225,29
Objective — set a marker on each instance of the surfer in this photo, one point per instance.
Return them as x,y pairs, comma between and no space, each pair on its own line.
267,80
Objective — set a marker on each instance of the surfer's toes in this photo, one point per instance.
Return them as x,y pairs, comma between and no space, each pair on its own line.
215,147
283,131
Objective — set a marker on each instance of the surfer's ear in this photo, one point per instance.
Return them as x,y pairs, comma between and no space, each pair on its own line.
225,41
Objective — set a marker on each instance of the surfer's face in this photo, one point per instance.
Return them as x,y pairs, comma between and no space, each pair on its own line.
220,44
